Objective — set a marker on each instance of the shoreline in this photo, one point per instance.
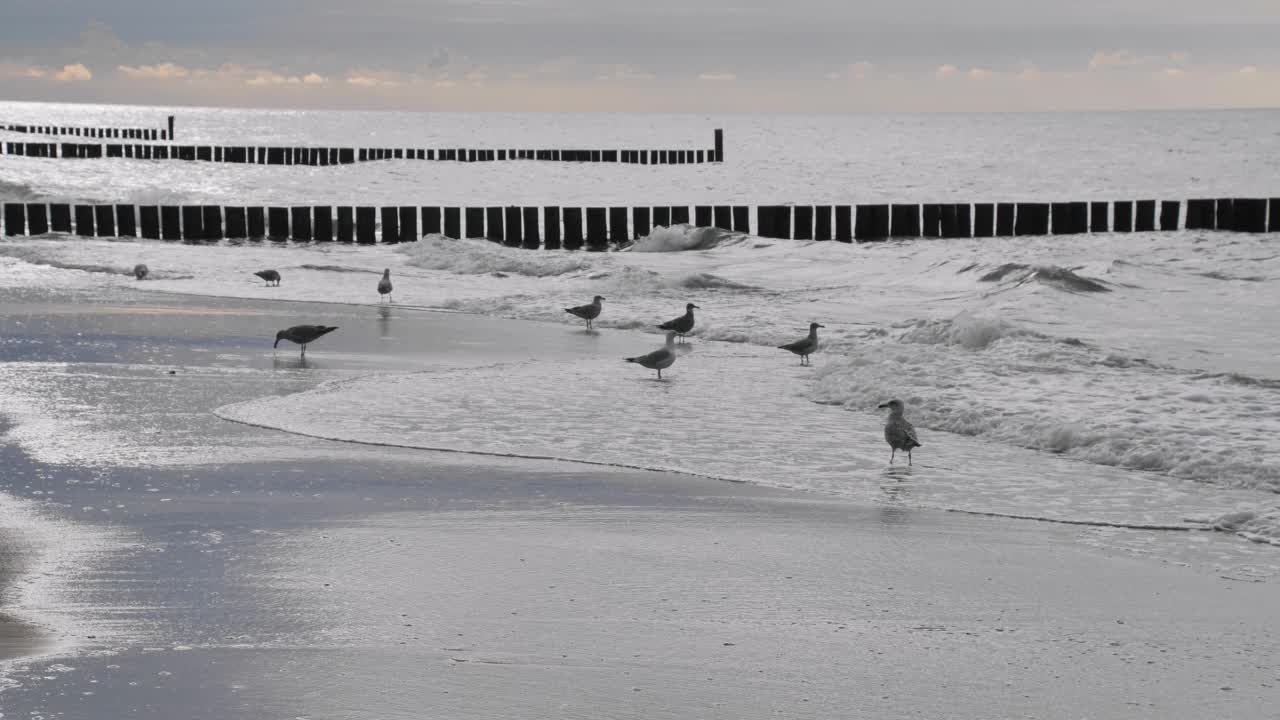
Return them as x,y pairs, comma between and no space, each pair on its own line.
383,582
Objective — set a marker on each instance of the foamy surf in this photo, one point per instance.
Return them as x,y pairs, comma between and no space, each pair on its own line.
754,424
1115,356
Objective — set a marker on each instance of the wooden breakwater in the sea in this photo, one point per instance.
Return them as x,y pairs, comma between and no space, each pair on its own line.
598,228
324,156
104,132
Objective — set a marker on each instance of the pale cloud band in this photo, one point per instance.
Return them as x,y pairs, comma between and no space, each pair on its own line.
509,55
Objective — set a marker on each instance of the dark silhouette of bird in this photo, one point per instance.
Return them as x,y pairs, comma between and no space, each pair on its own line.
683,324
303,334
140,271
271,276
898,432
588,312
384,285
658,359
805,346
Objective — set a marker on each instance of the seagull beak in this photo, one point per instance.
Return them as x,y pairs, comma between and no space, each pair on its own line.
882,405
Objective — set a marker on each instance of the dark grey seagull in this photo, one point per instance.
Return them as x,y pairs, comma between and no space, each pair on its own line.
805,346
660,358
588,312
303,334
271,276
140,271
898,432
384,285
683,324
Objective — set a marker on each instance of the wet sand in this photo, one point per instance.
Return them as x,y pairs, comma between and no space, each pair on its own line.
351,582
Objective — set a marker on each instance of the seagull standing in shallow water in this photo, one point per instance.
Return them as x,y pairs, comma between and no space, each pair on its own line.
805,346
303,334
898,432
384,285
658,359
271,276
683,324
588,312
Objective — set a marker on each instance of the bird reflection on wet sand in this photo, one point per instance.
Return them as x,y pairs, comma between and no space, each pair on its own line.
384,321
289,362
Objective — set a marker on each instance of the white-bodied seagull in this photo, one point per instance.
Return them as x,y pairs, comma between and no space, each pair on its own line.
660,358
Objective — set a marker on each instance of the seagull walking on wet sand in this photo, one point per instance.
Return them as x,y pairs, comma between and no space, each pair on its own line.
303,334
384,285
271,276
898,432
805,346
140,271
588,312
683,324
658,359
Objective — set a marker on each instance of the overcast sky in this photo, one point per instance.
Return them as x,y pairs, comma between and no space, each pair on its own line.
652,55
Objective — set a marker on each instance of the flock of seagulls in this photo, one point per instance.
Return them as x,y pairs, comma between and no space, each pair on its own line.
898,432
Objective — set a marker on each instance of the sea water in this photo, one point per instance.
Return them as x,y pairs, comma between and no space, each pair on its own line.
1116,379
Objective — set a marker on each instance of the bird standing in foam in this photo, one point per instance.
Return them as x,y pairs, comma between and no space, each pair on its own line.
804,346
683,324
588,312
899,433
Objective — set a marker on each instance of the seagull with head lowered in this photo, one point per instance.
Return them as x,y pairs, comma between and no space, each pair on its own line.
271,276
588,312
805,346
140,271
384,285
303,334
658,359
898,432
683,324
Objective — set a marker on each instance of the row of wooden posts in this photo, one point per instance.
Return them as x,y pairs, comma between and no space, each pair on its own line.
598,227
94,132
345,156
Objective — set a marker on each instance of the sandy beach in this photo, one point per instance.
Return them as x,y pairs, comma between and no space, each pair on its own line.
287,577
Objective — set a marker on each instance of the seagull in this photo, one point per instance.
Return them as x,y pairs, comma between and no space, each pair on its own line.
384,285
303,334
682,324
140,271
658,359
271,276
898,432
805,346
587,312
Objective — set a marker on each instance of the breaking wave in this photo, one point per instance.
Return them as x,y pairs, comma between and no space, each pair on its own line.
987,377
1051,275
682,237
17,192
482,257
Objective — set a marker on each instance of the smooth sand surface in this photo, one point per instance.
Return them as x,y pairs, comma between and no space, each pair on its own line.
371,583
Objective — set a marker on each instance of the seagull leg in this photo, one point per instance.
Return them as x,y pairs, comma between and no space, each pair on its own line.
908,458
892,452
